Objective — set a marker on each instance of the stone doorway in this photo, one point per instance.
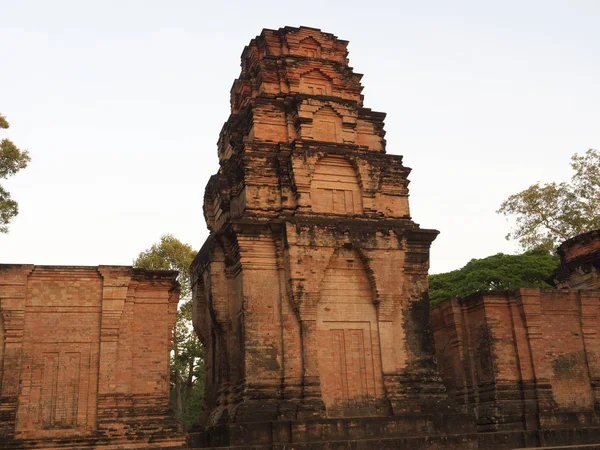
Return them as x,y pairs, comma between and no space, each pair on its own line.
350,354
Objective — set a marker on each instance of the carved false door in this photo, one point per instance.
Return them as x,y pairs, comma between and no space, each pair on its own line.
348,341
57,390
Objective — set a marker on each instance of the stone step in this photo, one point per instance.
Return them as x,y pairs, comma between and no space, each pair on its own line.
335,429
557,439
446,442
100,444
565,447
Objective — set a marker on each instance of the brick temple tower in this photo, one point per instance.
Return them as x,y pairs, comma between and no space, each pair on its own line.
310,292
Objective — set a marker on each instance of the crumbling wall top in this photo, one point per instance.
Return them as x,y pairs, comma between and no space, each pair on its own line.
583,247
303,41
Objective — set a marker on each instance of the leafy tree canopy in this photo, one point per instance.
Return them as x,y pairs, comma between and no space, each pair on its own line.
187,364
169,254
11,161
497,272
549,214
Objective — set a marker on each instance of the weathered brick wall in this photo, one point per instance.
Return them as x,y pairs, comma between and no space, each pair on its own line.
59,366
580,262
310,293
523,357
84,352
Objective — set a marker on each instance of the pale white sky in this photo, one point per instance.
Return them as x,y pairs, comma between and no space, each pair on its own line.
120,104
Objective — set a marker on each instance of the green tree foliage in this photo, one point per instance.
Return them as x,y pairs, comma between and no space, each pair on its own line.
11,161
497,272
551,213
187,363
169,254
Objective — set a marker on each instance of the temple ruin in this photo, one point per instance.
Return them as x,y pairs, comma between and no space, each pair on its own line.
84,357
310,294
527,361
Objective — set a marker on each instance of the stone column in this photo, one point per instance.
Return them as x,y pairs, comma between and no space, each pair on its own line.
290,336
421,388
13,290
590,318
525,365
262,328
448,328
114,294
312,405
529,301
219,298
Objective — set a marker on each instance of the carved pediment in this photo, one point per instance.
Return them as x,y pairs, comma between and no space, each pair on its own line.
315,82
335,187
310,47
327,125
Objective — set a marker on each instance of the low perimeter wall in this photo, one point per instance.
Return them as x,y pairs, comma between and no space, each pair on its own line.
84,357
528,359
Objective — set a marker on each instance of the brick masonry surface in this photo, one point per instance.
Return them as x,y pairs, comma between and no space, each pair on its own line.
310,297
310,294
526,355
84,356
530,358
580,262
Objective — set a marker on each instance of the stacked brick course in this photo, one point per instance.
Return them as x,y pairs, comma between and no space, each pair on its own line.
529,360
310,293
84,357
310,296
580,262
